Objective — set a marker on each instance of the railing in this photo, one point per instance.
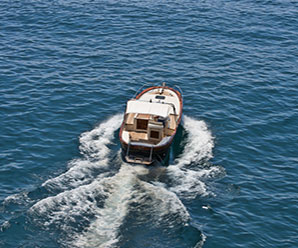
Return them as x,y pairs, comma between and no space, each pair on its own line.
133,158
151,84
141,89
179,89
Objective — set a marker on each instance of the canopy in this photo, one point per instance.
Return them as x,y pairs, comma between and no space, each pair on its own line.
152,108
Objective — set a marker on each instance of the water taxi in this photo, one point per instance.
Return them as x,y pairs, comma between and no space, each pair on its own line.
150,122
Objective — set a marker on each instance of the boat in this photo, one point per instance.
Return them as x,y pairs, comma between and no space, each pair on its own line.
150,122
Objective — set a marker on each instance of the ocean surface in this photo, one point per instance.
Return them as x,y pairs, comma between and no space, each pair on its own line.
67,69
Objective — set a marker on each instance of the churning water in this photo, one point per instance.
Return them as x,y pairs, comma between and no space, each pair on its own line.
99,197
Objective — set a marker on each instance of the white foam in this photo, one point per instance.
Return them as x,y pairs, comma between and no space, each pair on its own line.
18,198
94,147
6,224
79,174
103,201
81,191
117,193
82,202
200,142
62,209
94,143
201,242
165,202
103,231
189,182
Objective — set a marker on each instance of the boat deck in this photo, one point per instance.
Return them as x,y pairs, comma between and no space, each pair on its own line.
136,135
151,119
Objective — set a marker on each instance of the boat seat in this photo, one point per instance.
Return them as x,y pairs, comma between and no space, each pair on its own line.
172,124
130,119
136,136
156,125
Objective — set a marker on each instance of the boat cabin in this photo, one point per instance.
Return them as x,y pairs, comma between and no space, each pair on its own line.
148,122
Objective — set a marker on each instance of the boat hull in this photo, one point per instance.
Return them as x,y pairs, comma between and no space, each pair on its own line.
138,153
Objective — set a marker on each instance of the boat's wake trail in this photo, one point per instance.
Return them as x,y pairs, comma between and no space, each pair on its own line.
189,169
96,202
95,151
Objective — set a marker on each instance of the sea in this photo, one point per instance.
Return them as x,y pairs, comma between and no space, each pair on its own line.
67,69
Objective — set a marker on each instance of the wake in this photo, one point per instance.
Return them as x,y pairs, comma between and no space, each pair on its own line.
199,145
95,151
93,201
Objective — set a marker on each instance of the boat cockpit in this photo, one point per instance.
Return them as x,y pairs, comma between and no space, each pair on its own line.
149,122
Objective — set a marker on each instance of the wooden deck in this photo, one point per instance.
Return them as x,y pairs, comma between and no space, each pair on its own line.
143,136
137,136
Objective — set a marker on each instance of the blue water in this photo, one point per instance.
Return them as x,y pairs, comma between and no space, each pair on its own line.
66,70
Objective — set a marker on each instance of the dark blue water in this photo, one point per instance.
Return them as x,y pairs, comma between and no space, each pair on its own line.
66,70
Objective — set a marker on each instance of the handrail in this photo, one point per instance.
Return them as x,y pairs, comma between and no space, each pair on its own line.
179,89
140,89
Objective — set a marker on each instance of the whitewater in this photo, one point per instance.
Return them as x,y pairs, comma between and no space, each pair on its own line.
90,201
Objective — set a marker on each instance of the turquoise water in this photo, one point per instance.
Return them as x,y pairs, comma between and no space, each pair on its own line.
66,70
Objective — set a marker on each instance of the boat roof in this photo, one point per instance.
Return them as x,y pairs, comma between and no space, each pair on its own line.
152,108
169,96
